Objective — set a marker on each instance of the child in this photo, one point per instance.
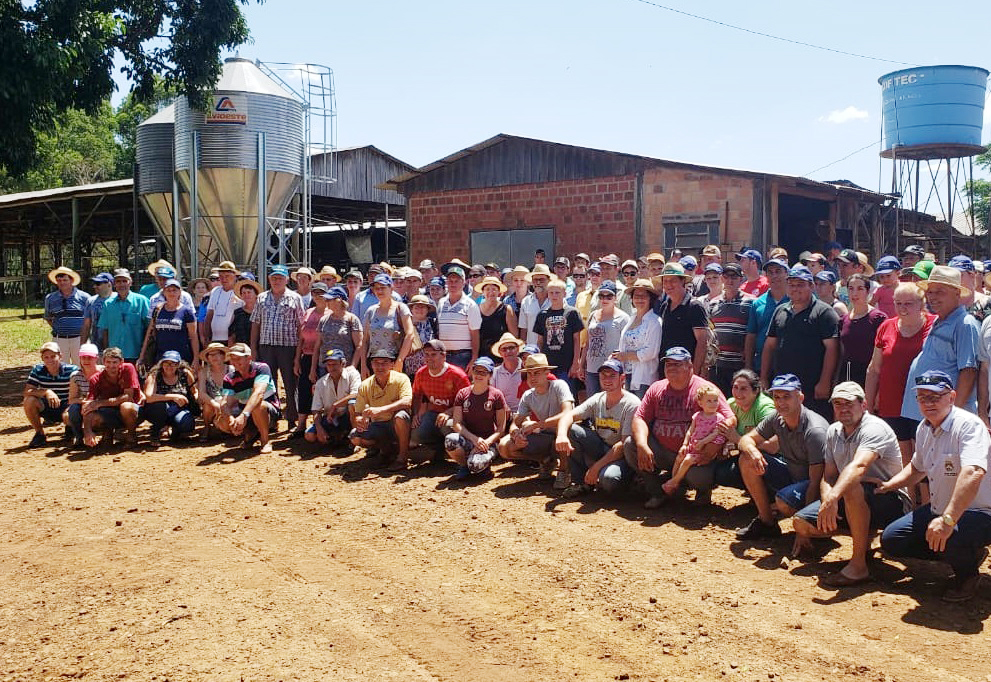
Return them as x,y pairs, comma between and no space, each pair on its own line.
703,440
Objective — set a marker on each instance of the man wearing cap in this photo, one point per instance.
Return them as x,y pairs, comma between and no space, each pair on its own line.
977,304
711,254
103,289
762,311
382,411
519,287
630,271
730,316
533,303
952,449
655,264
539,431
684,321
64,311
911,255
414,284
751,262
224,302
303,277
660,425
125,318
803,340
251,405
162,275
852,262
46,392
112,401
580,276
888,268
610,270
434,388
861,453
558,330
832,250
590,295
148,290
275,324
599,427
792,475
562,270
458,319
479,420
953,344
331,394
507,375
428,270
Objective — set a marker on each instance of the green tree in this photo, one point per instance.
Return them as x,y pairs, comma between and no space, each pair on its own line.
980,208
57,55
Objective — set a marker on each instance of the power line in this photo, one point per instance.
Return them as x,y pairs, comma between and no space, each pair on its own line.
833,163
771,36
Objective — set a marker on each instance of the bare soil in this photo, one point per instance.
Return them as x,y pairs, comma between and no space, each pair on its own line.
210,563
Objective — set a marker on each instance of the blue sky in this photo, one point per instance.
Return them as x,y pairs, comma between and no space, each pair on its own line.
421,80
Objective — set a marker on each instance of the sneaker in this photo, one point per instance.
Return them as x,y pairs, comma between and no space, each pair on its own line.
562,480
461,474
961,590
576,490
39,440
757,529
655,502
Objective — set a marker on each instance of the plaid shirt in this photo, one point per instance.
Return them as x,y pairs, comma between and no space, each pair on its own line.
279,318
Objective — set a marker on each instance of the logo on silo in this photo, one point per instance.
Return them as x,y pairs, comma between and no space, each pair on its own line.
227,111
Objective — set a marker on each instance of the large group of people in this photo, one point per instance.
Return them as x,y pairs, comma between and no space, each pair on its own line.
842,397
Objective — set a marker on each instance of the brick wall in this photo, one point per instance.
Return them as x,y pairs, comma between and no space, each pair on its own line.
669,191
593,215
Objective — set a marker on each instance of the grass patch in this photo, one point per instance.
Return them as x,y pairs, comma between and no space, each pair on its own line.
24,335
10,307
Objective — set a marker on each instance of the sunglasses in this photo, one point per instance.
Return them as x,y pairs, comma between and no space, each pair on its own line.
580,276
930,398
630,273
606,297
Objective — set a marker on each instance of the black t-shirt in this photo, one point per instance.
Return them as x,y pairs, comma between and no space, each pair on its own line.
678,325
558,327
800,338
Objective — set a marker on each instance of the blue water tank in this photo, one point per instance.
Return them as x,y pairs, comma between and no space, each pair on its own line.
933,111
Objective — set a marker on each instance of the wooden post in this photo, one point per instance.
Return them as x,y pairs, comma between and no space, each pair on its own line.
24,296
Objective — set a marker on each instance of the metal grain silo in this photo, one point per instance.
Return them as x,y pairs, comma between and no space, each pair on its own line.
933,112
250,138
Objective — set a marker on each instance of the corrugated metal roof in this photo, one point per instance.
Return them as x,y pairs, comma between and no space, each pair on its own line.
97,188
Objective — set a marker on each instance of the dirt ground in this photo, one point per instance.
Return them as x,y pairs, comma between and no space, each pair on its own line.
209,563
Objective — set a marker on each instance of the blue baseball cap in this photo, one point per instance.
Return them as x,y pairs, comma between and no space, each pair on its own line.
887,264
171,356
529,348
829,246
248,276
337,292
688,262
933,380
172,283
827,276
714,267
595,267
962,263
383,279
677,353
103,278
334,354
785,382
280,270
776,261
800,272
165,271
608,285
437,282
613,364
752,254
486,363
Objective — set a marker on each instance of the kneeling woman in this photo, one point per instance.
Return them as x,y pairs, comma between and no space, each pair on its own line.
211,385
170,398
479,421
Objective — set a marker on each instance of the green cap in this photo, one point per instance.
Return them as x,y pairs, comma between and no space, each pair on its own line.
923,268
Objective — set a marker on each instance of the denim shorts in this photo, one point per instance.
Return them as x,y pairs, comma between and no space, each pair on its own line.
53,414
884,508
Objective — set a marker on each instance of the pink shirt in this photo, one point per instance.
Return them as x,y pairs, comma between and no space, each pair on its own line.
308,332
704,425
669,412
884,300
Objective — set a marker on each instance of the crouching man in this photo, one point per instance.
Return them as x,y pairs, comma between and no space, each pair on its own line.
331,395
382,410
251,404
955,527
112,403
600,425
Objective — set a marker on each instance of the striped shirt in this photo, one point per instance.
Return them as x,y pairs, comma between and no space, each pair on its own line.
278,318
241,386
40,377
730,319
81,381
456,321
66,312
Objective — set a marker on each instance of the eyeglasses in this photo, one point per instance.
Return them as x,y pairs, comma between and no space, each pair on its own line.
606,297
578,276
475,276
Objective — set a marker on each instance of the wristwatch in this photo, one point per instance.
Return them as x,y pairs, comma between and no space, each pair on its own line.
948,520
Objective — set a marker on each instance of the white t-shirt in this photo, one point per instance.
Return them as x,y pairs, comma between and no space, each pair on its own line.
961,440
223,304
325,394
529,309
456,321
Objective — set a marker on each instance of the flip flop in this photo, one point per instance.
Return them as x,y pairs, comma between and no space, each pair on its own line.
839,579
398,465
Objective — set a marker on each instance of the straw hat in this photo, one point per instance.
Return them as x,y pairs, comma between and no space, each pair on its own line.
536,361
539,269
520,270
62,270
160,263
303,270
241,350
655,256
503,340
329,270
944,274
643,283
215,346
491,280
241,283
227,266
421,299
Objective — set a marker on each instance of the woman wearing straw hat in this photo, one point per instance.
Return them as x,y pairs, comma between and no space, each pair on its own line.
211,384
65,312
641,340
497,317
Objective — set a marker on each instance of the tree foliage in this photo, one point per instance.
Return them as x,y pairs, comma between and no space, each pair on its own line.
57,55
980,207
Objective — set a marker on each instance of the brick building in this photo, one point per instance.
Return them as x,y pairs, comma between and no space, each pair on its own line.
502,198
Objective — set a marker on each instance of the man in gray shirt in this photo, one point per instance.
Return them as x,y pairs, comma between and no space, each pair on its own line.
861,453
793,475
596,457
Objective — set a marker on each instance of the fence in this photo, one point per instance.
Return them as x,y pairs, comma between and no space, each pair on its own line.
40,284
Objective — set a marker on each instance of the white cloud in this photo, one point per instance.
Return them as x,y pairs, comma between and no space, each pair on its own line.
839,116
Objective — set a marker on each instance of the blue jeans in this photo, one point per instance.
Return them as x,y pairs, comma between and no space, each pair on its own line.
592,385
885,508
701,478
589,448
163,414
75,413
461,358
427,432
906,537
